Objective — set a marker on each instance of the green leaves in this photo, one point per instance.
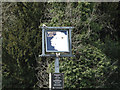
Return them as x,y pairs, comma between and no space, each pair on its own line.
89,70
95,43
20,44
92,66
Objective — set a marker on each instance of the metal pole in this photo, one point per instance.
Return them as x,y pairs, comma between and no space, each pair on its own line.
57,65
43,52
70,42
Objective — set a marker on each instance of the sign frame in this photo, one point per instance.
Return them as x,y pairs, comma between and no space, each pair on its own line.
56,31
69,54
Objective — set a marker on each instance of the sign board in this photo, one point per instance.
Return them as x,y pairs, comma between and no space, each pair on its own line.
56,80
57,41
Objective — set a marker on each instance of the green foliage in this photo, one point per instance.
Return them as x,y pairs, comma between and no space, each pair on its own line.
95,42
21,45
89,69
93,65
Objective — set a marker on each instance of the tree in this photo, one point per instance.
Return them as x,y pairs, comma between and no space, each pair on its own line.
92,62
95,41
21,43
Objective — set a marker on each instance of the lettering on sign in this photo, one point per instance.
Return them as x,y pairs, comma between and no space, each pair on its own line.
51,34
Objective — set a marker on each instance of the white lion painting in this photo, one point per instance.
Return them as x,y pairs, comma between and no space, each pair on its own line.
60,42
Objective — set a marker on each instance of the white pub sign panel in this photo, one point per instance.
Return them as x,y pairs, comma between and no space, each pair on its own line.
57,41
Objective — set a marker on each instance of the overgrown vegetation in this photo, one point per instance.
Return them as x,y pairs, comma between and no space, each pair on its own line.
95,40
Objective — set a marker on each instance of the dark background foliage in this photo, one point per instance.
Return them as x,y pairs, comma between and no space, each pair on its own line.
95,40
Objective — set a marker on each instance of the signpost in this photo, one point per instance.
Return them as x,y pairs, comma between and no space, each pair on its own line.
56,40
